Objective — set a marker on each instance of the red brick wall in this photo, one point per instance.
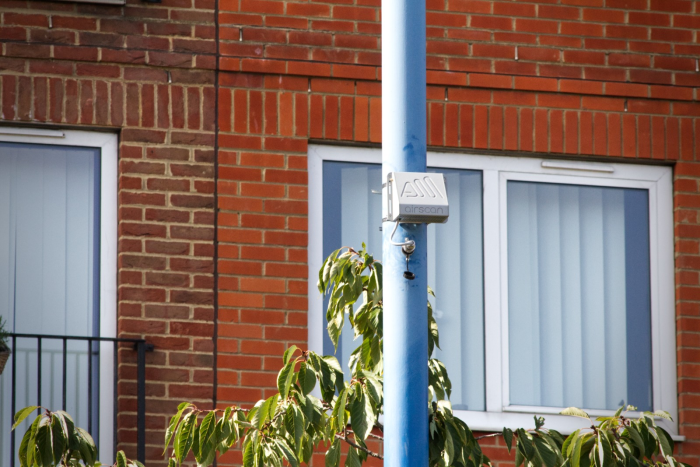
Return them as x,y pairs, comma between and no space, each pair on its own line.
146,72
265,124
613,80
617,43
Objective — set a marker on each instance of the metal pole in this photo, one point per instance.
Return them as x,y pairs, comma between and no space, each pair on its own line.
141,401
405,309
14,398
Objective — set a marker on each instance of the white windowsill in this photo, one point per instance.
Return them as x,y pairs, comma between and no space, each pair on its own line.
564,424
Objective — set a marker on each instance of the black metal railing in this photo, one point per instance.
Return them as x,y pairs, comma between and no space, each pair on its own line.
92,351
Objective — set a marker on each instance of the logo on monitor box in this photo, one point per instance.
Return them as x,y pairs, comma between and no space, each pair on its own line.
415,197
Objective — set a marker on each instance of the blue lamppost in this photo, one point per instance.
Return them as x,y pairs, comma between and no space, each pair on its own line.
405,315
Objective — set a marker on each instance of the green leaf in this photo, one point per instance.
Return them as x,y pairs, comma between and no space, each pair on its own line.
649,443
284,378
548,456
576,452
121,459
26,449
248,454
569,444
575,412
519,456
373,386
665,441
87,448
287,452
44,444
306,450
196,448
173,423
604,450
306,378
353,458
267,410
67,424
58,440
22,414
339,409
185,436
362,415
637,440
332,362
205,432
288,354
662,414
508,437
333,454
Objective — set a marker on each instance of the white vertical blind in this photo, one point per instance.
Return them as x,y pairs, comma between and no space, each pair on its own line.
361,218
47,238
567,295
455,272
455,269
49,276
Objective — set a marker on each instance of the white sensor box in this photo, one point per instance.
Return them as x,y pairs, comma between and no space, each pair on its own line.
415,198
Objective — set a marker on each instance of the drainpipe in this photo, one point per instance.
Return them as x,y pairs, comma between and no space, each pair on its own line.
405,313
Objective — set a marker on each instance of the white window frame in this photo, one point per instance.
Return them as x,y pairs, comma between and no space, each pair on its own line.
496,171
107,143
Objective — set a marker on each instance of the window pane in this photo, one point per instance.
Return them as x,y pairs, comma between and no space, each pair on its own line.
352,214
579,296
455,272
49,272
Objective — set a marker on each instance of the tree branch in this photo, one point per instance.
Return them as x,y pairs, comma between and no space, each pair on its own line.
492,435
499,433
371,435
357,446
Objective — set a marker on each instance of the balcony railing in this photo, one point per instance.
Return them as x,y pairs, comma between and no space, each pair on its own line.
81,357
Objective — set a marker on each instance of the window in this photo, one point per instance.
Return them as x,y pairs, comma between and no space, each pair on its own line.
58,236
554,279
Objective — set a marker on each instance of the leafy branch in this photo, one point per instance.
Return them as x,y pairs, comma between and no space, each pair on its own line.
53,440
288,426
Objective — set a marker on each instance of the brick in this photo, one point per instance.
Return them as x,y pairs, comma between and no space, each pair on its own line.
538,54
559,101
526,130
629,60
676,6
490,81
536,26
627,32
582,57
558,12
585,133
22,19
648,106
492,50
535,84
674,63
602,103
308,10
491,22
